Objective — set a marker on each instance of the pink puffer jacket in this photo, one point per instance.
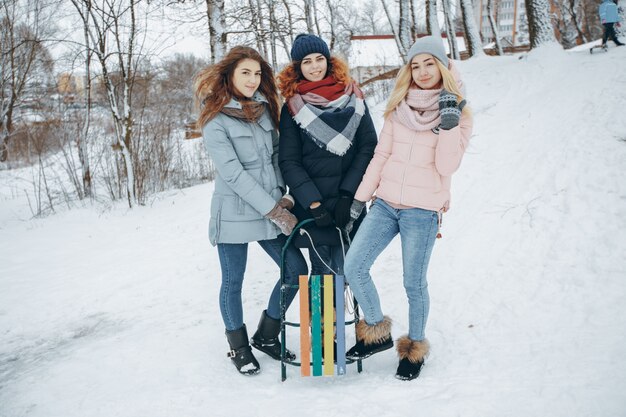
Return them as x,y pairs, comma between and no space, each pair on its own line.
414,169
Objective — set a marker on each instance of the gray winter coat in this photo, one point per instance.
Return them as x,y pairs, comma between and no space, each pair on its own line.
248,182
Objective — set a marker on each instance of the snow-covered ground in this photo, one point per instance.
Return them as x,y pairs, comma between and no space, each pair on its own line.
114,312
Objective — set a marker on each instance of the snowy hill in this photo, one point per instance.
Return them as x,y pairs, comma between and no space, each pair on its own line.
115,313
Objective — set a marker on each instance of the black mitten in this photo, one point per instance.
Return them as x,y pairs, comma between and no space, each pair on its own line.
342,210
322,216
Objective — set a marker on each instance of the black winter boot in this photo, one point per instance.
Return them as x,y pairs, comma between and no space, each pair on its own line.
241,353
266,339
412,354
371,339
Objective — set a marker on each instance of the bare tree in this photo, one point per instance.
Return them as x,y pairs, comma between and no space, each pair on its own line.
81,139
494,27
112,33
432,24
24,60
539,24
472,37
403,51
414,30
369,16
447,13
308,15
333,24
573,9
217,29
404,24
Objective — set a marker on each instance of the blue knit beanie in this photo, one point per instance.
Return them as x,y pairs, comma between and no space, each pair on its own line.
306,44
429,45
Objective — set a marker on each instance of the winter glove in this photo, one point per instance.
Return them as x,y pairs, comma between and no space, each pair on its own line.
355,211
342,210
449,109
322,216
286,202
282,218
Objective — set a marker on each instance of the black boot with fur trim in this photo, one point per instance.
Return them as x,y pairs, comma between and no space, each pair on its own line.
371,339
412,354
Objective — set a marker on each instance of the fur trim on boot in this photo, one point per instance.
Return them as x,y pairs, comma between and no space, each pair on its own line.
412,350
412,354
371,339
373,334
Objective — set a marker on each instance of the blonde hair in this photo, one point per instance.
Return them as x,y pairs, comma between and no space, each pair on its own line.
404,80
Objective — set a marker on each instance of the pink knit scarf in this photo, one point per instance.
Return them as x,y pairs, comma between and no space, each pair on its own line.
419,110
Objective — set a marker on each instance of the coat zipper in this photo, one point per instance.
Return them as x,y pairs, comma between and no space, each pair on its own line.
404,173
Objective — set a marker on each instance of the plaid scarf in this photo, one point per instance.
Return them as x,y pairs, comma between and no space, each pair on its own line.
328,116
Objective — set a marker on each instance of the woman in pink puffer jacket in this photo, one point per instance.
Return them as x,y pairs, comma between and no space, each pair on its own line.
427,129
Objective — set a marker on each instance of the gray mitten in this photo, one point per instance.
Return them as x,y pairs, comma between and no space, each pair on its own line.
355,211
449,109
283,219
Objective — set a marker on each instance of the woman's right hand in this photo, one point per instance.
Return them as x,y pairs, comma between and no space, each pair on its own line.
282,218
320,214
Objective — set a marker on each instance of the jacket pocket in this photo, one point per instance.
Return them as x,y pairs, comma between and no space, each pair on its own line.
243,143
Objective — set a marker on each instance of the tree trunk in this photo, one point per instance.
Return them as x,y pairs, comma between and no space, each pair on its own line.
494,27
539,24
81,142
308,16
402,51
254,23
333,23
472,37
316,20
217,24
432,23
413,22
289,21
572,6
404,25
454,49
273,30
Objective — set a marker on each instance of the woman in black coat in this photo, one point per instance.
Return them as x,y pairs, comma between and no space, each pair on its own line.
327,139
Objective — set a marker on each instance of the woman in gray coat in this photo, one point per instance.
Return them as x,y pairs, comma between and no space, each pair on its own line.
238,115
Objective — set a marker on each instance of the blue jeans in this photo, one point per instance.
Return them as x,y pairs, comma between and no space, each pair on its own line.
418,230
233,259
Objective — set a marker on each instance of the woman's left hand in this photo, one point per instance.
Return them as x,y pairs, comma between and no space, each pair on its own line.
449,109
342,210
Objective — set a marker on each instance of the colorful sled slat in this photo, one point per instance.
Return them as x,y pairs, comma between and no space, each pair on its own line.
305,322
329,367
341,325
316,324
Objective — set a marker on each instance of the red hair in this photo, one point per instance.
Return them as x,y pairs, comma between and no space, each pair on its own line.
213,85
291,75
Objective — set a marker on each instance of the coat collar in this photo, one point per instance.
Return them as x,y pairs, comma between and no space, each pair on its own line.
234,104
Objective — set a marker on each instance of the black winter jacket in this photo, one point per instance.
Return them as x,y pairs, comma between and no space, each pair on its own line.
315,174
